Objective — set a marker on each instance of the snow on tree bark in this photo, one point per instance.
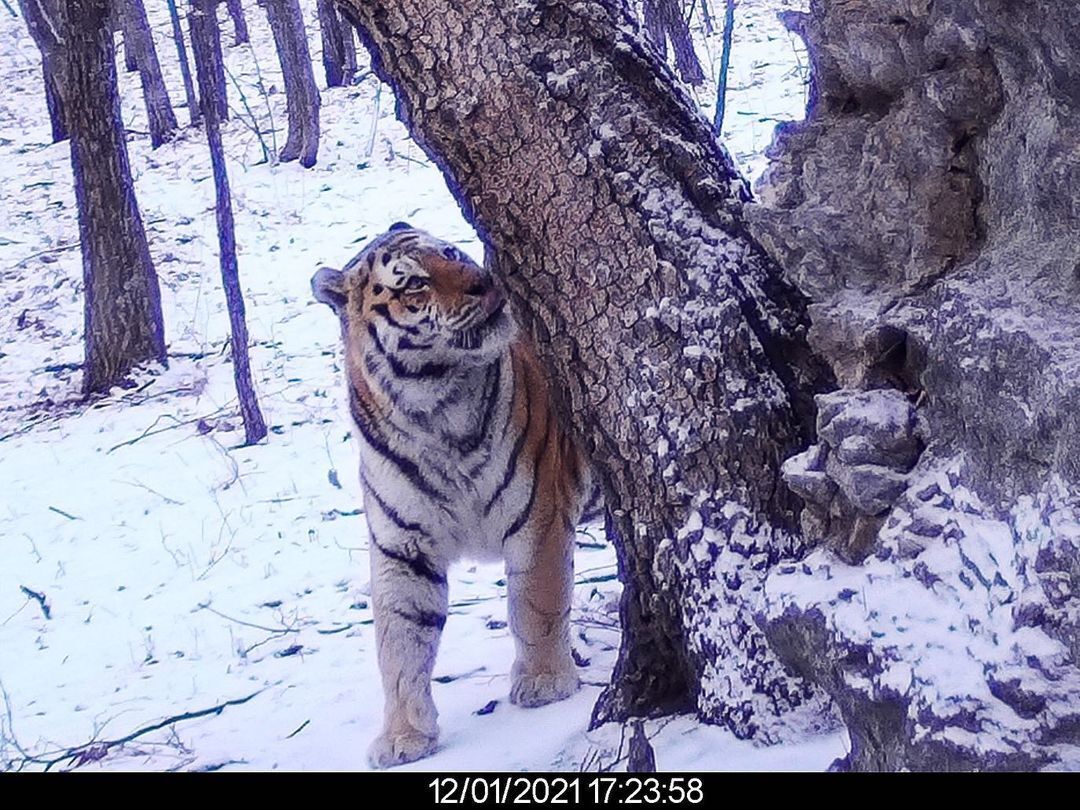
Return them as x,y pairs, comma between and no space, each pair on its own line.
206,44
185,66
301,92
123,324
159,111
928,205
616,221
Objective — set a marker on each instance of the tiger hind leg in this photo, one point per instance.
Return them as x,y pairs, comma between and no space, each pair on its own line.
540,590
409,602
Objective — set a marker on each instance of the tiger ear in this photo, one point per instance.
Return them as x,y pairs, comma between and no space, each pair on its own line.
328,286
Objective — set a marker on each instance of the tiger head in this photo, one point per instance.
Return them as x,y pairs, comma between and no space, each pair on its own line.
415,307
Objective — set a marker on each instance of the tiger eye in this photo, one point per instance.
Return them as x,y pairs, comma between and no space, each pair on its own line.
377,289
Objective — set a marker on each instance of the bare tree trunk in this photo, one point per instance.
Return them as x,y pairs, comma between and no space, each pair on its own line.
678,350
240,29
56,106
123,325
206,43
216,68
302,95
349,45
706,16
664,20
333,44
185,66
119,22
159,111
725,62
652,15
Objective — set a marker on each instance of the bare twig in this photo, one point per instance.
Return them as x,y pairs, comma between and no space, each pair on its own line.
63,513
47,251
298,730
39,598
95,750
281,630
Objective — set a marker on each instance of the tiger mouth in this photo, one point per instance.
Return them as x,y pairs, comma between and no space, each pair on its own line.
472,337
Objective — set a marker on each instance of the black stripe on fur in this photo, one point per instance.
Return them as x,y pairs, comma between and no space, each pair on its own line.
521,519
406,466
418,564
428,619
511,465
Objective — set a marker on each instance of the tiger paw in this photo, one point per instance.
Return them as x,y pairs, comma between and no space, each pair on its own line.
542,688
390,749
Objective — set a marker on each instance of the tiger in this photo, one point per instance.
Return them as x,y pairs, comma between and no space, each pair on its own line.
462,455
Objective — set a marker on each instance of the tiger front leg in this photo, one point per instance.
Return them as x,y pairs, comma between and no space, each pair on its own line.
409,602
540,583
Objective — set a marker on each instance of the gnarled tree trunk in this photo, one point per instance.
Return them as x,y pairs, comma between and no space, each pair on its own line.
617,223
929,205
123,325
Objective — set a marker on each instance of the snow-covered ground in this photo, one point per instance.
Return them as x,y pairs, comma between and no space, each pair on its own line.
150,568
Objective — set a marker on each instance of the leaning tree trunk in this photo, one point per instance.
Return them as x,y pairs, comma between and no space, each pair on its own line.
55,105
185,66
159,111
301,93
206,43
123,325
664,20
240,29
616,222
334,52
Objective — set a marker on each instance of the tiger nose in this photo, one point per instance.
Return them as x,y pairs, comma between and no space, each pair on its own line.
480,287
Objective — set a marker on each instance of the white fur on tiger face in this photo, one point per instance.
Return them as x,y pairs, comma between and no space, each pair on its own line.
461,455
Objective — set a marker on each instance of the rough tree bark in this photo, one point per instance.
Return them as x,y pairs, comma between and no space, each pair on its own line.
185,66
664,20
616,221
206,43
159,111
928,204
240,29
336,45
123,325
301,92
55,105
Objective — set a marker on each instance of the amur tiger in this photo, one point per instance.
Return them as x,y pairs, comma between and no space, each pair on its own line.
461,455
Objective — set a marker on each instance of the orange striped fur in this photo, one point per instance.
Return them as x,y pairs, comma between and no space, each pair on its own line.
462,456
